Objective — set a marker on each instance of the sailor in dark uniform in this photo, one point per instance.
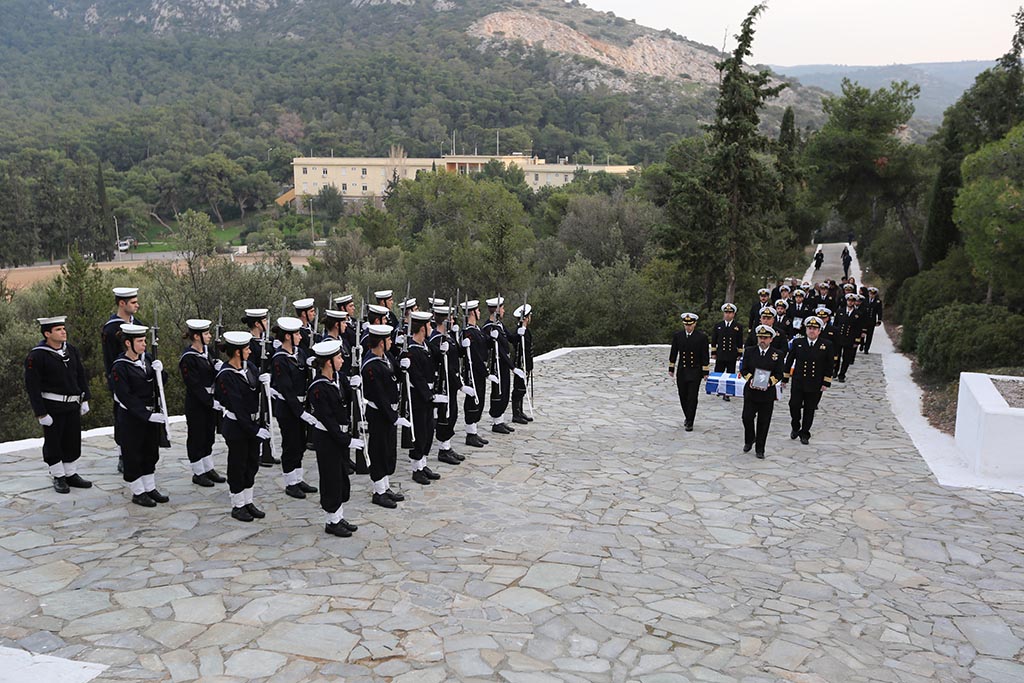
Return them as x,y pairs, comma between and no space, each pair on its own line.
474,378
238,392
202,411
783,322
873,310
780,341
763,367
446,349
380,389
809,369
386,299
305,310
346,303
763,300
689,362
127,302
331,436
261,348
133,375
420,365
497,338
798,310
849,324
59,395
288,383
522,355
727,342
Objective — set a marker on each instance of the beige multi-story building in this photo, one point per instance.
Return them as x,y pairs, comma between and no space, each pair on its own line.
366,178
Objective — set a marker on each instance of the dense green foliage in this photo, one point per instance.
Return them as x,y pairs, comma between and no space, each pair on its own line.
965,337
949,281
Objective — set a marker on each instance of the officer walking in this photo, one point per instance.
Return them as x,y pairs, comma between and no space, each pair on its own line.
763,368
690,347
727,342
809,370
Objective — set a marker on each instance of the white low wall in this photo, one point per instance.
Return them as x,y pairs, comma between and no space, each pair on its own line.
989,433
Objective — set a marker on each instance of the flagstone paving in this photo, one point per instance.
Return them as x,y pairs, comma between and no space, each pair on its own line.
600,543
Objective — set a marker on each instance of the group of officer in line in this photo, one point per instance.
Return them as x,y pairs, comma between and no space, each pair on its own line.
808,336
347,388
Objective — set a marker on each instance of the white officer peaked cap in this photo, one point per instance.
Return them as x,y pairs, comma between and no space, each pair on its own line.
336,314
133,330
850,296
408,303
495,302
823,309
380,330
767,310
384,294
523,311
327,348
689,318
764,291
422,315
125,292
289,324
763,330
873,290
813,321
258,313
304,304
782,302
237,338
198,324
341,300
728,308
377,310
785,287
52,322
470,305
799,292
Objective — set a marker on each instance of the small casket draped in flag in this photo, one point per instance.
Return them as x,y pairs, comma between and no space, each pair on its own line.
725,384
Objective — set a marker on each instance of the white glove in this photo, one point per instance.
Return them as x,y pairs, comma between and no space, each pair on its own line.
468,390
264,378
263,434
158,418
45,420
444,347
277,344
402,422
309,361
357,444
355,381
440,398
520,373
308,418
521,331
494,334
217,406
218,364
492,378
84,410
405,363
158,365
465,343
455,329
400,340
366,326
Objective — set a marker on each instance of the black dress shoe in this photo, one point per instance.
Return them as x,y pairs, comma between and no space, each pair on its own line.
447,457
760,455
747,447
431,474
841,379
144,500
75,481
241,514
726,398
60,485
793,435
215,477
474,441
528,418
397,497
202,480
457,456
306,488
520,419
337,530
688,426
255,511
420,477
805,440
294,491
267,460
348,525
502,428
157,496
384,500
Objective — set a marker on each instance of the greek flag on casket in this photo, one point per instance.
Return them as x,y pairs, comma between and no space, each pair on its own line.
724,383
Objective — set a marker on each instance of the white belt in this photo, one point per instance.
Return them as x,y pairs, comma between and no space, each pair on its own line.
60,398
231,416
280,397
394,406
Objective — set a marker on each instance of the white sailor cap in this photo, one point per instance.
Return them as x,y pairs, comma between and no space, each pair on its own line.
327,348
765,331
125,292
435,302
236,338
48,323
767,310
470,305
823,310
377,310
728,308
303,304
342,300
133,330
764,291
421,316
689,318
198,324
383,294
782,302
380,330
441,311
495,302
286,323
256,313
813,321
799,292
408,303
522,311
336,314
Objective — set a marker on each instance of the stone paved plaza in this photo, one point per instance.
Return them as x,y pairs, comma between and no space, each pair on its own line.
601,543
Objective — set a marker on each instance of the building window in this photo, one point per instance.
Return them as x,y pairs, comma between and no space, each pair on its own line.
325,172
364,171
344,187
305,170
305,188
364,188
536,177
566,177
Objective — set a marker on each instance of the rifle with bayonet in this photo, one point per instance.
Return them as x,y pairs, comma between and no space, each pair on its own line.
405,401
266,397
528,382
161,397
358,404
214,352
469,353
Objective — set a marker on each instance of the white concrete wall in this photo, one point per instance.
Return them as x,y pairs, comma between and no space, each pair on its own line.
989,433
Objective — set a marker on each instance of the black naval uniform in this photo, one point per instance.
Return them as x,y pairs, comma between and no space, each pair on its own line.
780,342
56,386
198,374
726,345
849,328
289,384
422,376
808,369
523,361
112,348
872,309
694,363
238,392
758,404
754,317
135,391
331,439
450,383
257,365
380,389
476,357
496,337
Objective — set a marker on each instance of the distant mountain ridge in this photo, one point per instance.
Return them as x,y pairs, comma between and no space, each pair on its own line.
942,83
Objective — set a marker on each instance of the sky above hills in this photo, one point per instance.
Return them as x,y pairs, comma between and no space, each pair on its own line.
865,32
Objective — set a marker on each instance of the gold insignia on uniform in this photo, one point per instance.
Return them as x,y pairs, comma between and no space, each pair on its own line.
775,356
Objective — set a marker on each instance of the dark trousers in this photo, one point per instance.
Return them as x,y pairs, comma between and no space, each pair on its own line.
500,392
335,486
117,426
62,441
802,405
202,428
140,446
474,407
757,418
869,334
447,417
725,363
243,463
423,421
383,445
688,389
846,353
293,438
